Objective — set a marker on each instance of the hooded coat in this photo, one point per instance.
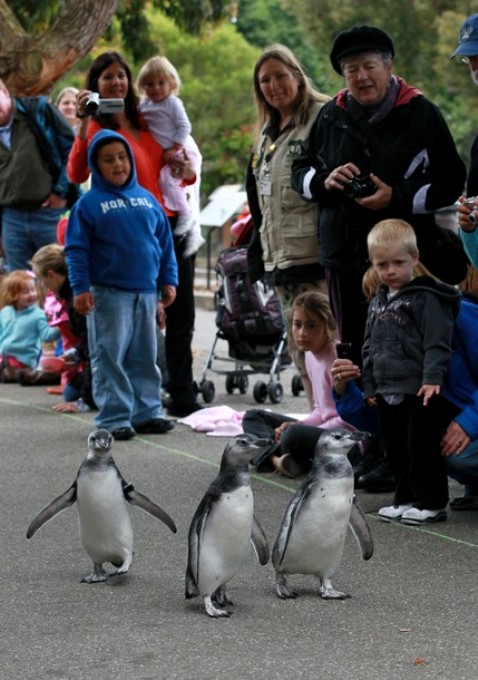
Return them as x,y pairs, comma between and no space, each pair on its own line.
408,337
118,237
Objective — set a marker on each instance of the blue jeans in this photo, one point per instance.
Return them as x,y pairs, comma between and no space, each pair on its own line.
122,344
25,231
464,468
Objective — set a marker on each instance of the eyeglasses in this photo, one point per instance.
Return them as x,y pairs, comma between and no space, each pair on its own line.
467,60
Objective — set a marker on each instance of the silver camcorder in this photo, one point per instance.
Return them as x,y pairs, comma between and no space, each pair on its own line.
470,203
94,105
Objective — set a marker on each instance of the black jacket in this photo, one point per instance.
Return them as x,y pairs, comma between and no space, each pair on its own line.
411,150
408,337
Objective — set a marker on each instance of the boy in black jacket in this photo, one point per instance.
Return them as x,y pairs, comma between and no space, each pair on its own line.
406,351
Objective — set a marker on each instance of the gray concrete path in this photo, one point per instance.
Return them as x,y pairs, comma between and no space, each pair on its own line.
412,614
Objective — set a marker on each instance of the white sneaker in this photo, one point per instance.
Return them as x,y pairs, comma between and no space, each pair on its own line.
393,513
193,243
416,516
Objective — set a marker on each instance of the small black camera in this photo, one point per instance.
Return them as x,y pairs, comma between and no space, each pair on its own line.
345,350
359,187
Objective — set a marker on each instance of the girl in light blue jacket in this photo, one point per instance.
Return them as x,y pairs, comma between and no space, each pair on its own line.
23,327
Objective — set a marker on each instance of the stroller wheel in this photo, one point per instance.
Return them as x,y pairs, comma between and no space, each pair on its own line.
208,391
243,383
230,383
275,392
260,392
297,385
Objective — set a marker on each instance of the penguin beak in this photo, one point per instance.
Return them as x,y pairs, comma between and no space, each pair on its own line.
359,436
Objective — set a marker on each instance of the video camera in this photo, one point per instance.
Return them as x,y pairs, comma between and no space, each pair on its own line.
95,105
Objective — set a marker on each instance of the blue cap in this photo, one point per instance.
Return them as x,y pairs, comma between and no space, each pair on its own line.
468,46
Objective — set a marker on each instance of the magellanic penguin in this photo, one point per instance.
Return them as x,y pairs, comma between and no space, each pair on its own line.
312,536
104,521
223,527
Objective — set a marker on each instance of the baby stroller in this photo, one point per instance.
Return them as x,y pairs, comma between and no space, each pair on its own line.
249,318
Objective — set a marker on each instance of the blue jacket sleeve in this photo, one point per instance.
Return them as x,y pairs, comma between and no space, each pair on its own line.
352,408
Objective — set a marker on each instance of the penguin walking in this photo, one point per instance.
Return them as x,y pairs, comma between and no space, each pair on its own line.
223,527
312,536
102,495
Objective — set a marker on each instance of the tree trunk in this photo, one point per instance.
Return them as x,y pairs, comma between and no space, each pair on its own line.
31,64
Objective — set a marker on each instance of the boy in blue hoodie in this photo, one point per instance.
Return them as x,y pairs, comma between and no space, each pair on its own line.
120,256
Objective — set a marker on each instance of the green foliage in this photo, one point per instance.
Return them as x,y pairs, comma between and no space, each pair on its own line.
135,29
35,14
192,14
270,21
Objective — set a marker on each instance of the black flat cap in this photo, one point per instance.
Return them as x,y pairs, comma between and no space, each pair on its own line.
359,39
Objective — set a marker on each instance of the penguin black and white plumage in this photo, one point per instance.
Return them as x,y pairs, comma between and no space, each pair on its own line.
102,495
223,527
312,536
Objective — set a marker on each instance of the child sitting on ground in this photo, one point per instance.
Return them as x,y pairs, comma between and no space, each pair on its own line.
314,332
168,122
23,330
49,265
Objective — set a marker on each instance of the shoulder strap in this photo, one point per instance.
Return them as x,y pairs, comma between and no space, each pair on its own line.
29,106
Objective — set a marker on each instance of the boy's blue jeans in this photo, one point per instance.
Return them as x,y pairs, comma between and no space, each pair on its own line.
122,343
464,468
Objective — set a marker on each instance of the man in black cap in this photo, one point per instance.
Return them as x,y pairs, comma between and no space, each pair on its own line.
378,150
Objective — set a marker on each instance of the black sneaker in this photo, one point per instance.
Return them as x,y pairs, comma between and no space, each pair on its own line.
378,480
155,426
181,410
123,433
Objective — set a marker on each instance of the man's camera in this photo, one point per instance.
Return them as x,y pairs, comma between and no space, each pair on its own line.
471,203
359,187
94,105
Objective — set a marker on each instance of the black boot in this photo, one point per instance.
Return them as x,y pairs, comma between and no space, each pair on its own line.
366,461
379,479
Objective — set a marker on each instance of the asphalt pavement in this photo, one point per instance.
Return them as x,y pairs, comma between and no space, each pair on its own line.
412,614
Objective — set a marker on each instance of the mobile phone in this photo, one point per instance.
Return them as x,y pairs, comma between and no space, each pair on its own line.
345,350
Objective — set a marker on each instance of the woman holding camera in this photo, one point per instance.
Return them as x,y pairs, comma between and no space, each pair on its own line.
379,150
110,77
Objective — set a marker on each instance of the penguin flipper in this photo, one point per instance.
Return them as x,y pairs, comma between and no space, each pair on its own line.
191,589
144,503
361,531
290,516
259,542
53,509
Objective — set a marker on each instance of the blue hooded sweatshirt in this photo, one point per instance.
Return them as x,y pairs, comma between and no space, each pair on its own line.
118,237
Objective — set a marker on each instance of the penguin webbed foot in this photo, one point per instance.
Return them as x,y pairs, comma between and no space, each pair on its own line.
221,598
327,592
122,568
212,610
99,575
283,590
